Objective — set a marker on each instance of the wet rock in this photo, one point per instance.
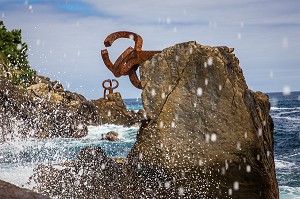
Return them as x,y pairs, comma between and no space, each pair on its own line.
45,109
113,110
10,191
110,136
208,135
92,175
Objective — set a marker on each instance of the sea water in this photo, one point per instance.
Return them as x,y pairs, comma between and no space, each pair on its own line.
18,158
285,111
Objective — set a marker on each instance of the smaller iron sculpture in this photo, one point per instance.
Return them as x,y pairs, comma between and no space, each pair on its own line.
109,88
129,61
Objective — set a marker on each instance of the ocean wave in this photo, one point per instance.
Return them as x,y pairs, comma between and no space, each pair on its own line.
286,117
281,164
273,108
126,134
287,192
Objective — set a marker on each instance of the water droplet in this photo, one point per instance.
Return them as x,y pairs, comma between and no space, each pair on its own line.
167,184
181,191
286,90
258,157
239,36
213,137
109,113
271,74
230,191
248,168
259,132
206,82
173,124
238,146
199,91
163,95
153,92
200,162
220,87
236,185
131,36
210,61
161,124
19,47
207,138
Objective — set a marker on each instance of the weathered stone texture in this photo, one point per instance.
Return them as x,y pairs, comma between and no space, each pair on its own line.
207,135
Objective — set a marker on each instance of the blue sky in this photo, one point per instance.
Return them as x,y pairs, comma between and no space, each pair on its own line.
66,36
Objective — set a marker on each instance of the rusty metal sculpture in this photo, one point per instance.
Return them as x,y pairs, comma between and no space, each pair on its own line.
109,88
129,61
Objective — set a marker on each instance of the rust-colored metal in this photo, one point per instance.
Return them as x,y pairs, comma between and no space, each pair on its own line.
129,61
109,88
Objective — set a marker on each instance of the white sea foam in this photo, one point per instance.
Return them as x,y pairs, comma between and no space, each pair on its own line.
281,164
295,119
18,158
287,192
284,108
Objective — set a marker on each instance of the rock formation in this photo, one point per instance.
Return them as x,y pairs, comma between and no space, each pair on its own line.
10,191
46,109
92,175
208,135
110,136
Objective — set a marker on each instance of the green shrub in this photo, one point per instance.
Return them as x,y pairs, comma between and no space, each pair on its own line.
14,54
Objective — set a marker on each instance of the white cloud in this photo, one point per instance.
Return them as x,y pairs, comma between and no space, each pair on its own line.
62,34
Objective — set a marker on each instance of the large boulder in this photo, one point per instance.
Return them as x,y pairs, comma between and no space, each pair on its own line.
208,135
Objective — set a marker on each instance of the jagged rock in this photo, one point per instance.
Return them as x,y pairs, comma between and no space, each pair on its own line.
92,175
208,135
45,109
113,110
10,191
110,136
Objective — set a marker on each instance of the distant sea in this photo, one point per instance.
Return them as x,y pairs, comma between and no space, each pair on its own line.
18,157
285,111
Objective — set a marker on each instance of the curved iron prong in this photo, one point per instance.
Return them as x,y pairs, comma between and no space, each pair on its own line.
117,84
124,34
134,78
108,63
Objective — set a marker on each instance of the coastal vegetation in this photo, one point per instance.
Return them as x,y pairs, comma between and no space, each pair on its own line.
13,57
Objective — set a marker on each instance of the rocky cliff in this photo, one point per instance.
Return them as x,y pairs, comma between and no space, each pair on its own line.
207,135
46,109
